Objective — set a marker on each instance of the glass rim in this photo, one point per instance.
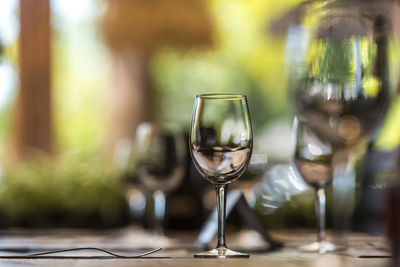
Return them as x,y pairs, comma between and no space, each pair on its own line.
221,96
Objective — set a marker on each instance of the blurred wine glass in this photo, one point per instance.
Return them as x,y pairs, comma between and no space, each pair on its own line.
160,163
342,91
221,141
313,159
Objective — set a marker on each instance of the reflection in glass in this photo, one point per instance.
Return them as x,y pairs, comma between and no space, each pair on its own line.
344,90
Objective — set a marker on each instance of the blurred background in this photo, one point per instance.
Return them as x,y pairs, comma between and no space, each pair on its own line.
77,78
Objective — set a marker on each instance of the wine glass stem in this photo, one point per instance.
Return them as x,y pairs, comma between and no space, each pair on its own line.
320,209
221,207
159,211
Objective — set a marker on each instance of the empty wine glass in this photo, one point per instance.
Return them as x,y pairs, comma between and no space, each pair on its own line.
313,159
342,93
221,142
160,162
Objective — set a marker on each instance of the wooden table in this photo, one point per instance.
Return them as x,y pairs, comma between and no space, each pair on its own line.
277,259
179,252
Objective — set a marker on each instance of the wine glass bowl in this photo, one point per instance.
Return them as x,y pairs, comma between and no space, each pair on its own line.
313,158
221,145
344,90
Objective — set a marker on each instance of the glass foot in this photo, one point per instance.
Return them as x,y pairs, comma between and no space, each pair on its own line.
320,247
221,253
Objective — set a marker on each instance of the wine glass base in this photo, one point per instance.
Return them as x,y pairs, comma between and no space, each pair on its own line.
221,253
320,247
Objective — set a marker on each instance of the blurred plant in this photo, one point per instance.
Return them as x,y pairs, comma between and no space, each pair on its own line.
8,85
1,51
245,59
79,98
389,136
74,190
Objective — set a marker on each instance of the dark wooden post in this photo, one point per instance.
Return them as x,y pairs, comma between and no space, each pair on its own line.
130,100
33,108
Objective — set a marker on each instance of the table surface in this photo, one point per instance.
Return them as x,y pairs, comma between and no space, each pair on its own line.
364,250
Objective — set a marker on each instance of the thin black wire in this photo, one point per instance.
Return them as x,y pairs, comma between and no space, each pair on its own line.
114,255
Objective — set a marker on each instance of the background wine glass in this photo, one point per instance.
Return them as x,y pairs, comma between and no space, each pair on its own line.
160,163
313,159
221,145
343,92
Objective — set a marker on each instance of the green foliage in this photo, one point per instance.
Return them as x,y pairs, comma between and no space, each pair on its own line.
80,79
389,135
245,59
75,191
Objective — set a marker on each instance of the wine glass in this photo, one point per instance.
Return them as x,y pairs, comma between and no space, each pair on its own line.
313,159
343,92
221,143
160,162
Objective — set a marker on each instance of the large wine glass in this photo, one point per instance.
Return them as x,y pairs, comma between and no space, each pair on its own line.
160,163
221,142
342,93
313,159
